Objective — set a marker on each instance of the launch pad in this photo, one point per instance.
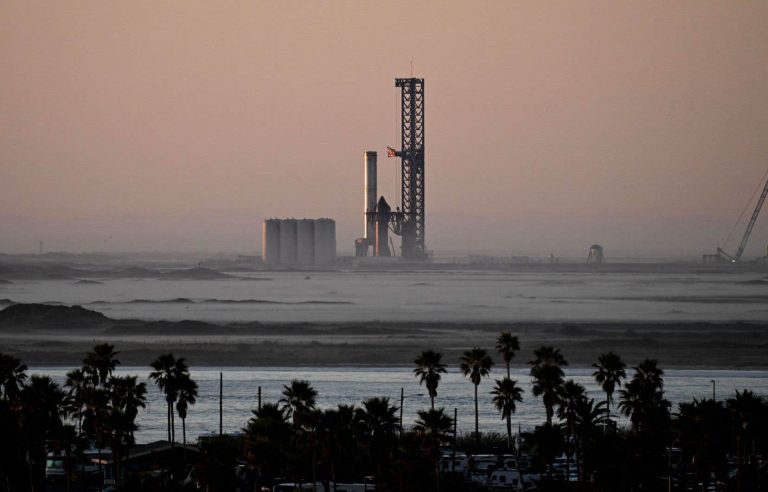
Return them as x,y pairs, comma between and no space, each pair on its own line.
408,223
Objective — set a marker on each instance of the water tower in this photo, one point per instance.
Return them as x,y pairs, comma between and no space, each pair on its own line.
596,254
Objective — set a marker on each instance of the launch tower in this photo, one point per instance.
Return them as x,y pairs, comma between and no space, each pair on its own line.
411,154
379,218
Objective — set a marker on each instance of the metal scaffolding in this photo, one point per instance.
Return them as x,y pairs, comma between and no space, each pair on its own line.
412,170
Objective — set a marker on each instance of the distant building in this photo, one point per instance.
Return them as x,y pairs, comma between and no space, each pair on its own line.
596,254
299,242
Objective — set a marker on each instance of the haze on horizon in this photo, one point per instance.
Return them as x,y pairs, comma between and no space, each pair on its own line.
179,126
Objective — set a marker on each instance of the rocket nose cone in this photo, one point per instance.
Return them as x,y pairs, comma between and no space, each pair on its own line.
383,206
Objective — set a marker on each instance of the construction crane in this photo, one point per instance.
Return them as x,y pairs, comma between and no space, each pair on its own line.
721,255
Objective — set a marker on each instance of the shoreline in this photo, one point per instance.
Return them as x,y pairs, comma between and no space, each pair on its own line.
58,336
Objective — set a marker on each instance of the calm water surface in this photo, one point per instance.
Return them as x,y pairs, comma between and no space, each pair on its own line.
351,385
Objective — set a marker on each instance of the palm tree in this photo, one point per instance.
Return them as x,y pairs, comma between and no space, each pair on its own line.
187,396
506,395
547,374
428,370
650,374
100,362
77,383
298,399
64,441
96,414
128,396
378,417
507,345
335,437
267,437
642,399
12,376
43,412
344,429
609,374
572,396
633,404
378,424
749,414
704,438
475,364
165,377
433,427
548,442
588,418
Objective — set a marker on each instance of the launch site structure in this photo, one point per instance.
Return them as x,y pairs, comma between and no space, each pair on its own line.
409,222
299,242
411,154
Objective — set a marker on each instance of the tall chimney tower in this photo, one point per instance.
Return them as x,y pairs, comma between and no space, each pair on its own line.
369,193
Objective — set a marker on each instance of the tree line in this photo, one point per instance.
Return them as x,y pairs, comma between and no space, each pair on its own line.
703,443
94,409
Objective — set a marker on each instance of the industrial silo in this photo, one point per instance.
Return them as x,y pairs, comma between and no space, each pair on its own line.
270,242
325,241
305,235
288,241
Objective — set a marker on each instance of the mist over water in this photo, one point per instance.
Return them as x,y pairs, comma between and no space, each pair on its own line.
417,296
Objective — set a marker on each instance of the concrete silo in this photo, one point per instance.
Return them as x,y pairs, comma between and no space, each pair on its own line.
325,241
288,241
305,237
270,242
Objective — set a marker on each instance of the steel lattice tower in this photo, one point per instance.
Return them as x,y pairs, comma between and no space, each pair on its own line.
412,170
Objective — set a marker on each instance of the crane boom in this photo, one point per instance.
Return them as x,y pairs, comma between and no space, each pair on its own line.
752,221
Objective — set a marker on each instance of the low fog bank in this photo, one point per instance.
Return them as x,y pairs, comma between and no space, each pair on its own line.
181,266
59,335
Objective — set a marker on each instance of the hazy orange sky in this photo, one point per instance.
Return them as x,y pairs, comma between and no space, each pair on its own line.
179,126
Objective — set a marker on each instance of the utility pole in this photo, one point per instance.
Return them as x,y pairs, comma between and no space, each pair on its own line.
402,399
221,404
453,457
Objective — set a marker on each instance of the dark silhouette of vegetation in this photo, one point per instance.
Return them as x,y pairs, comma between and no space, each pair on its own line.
163,377
572,397
429,367
378,424
609,375
187,395
547,374
94,409
298,400
171,376
433,427
506,395
507,345
476,364
703,445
